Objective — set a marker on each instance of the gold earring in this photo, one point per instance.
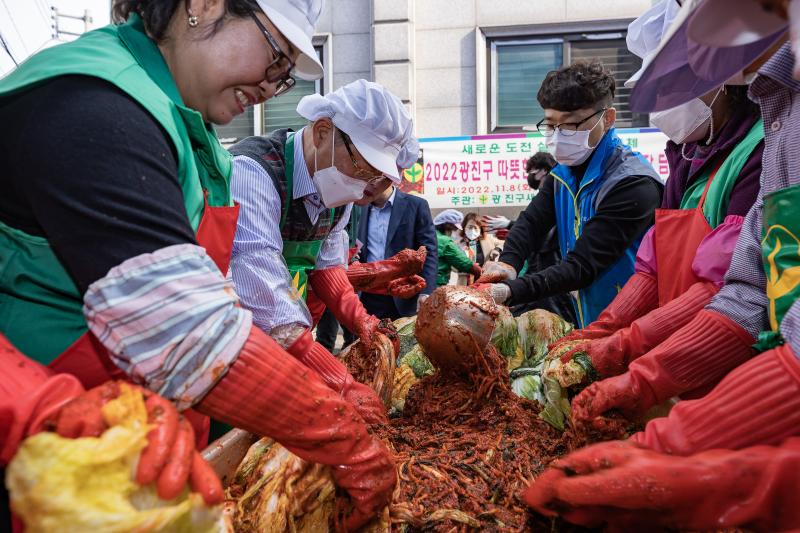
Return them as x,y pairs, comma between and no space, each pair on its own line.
192,21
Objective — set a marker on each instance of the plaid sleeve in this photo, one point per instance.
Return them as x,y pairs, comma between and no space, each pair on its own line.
743,298
169,320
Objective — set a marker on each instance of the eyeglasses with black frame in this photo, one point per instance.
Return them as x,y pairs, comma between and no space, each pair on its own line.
361,173
566,128
279,71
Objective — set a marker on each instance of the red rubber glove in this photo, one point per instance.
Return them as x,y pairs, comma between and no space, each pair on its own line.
334,289
335,375
395,276
634,489
29,392
32,399
611,355
638,297
699,354
757,403
268,392
315,306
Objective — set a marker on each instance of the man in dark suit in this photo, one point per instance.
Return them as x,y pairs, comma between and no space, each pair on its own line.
390,222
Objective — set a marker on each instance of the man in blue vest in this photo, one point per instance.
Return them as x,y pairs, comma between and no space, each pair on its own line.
602,199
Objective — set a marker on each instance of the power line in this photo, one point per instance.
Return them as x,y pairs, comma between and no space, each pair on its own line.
14,24
5,46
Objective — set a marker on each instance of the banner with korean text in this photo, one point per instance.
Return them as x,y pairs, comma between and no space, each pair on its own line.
489,170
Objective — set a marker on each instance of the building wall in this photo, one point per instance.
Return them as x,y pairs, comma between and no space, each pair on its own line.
425,51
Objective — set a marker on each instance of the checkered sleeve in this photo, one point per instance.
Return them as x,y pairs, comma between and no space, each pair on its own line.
743,297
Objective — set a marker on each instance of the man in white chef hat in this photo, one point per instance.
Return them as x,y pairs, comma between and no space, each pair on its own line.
295,192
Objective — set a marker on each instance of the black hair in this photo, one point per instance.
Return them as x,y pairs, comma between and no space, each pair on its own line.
738,99
156,14
581,85
446,227
540,160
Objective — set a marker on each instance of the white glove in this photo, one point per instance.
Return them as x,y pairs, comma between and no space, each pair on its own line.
494,271
500,292
496,223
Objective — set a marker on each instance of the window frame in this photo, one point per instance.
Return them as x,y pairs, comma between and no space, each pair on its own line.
489,38
323,42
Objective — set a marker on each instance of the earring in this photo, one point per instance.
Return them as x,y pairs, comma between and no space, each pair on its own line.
192,21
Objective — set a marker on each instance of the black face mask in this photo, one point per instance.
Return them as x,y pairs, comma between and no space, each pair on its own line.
535,182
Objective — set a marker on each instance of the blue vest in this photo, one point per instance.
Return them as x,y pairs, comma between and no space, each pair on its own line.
576,203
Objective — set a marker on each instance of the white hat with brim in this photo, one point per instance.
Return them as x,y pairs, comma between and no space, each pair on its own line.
297,26
682,69
725,23
646,32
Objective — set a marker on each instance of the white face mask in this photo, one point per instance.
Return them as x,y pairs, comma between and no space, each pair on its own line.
336,188
472,234
572,150
687,122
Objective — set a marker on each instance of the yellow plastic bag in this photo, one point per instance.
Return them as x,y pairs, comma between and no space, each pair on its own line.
87,484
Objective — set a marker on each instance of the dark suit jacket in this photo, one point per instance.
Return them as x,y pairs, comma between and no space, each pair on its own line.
410,226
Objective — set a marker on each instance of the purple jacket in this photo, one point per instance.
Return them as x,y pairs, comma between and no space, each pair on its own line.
683,173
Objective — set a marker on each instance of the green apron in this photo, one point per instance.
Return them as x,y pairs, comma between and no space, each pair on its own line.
780,248
35,289
300,256
719,193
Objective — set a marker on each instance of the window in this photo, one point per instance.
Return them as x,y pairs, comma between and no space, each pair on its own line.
518,66
240,127
280,112
275,113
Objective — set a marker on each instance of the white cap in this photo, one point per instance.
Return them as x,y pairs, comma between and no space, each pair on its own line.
645,33
296,20
375,119
409,152
452,216
732,23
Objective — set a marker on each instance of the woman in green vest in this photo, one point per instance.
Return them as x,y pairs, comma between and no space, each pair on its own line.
116,222
714,156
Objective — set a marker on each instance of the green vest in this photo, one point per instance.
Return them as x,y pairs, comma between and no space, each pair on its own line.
719,193
40,306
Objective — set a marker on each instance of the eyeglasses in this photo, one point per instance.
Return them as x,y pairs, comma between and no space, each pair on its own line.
279,71
566,128
361,173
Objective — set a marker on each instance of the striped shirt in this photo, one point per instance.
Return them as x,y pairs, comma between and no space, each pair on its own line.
258,269
744,298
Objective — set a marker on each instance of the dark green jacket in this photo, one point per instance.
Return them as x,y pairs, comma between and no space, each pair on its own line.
450,256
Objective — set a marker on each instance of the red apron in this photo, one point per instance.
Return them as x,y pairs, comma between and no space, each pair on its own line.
679,233
88,360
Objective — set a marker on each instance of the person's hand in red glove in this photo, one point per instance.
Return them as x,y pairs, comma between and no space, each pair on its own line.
638,297
611,355
698,355
170,458
756,403
332,286
34,399
407,287
631,488
336,376
270,393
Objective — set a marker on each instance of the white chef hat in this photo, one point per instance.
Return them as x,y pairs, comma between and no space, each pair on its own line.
645,33
409,152
452,216
296,20
375,119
